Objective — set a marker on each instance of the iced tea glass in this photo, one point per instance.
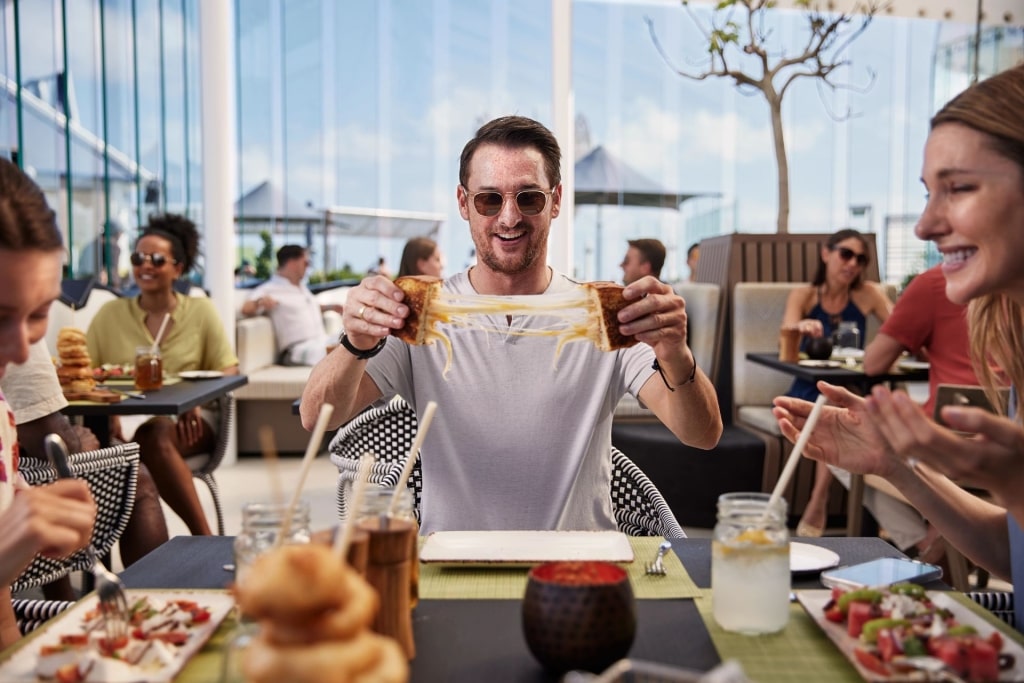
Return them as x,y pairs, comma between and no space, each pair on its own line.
149,368
789,344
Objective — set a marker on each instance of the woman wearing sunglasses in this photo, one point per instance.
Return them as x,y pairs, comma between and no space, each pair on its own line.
57,519
193,340
837,294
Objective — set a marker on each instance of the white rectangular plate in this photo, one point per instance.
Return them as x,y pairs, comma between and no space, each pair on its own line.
21,665
524,547
814,602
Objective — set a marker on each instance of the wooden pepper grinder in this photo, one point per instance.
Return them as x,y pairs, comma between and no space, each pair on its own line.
389,571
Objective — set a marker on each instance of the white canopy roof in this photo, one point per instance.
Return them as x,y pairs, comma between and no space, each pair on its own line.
994,12
360,222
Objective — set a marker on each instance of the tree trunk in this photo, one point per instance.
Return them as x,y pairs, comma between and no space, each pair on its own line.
775,105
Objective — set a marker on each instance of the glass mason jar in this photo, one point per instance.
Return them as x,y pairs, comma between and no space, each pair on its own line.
847,335
262,524
750,579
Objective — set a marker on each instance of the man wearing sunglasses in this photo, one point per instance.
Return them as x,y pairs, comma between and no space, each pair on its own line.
294,311
522,436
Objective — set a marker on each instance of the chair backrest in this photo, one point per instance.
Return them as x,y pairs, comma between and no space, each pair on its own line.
757,310
202,465
388,432
702,311
62,315
112,474
31,614
639,507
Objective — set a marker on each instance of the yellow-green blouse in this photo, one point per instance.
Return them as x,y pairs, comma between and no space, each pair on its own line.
196,340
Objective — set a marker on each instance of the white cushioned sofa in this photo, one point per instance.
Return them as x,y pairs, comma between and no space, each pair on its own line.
272,389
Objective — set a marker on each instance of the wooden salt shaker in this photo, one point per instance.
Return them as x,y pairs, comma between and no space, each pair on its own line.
388,570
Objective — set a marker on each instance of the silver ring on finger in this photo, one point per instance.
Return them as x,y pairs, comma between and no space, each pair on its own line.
362,309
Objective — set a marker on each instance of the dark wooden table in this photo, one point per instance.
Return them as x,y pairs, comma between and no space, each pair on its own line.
850,376
171,399
482,640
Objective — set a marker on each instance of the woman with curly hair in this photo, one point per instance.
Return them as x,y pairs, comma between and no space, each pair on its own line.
194,339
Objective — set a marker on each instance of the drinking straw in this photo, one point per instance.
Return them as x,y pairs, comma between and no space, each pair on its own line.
269,450
160,333
794,457
344,539
414,453
315,439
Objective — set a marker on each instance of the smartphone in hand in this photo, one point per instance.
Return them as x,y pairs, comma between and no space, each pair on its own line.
883,571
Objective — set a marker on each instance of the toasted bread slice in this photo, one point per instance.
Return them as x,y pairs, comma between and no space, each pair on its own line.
420,291
605,303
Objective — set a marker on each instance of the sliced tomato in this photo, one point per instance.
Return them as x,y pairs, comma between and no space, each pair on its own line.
75,639
108,646
69,674
982,661
870,662
200,615
888,645
950,650
835,614
858,614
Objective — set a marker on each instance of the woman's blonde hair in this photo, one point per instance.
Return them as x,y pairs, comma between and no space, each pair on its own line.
993,107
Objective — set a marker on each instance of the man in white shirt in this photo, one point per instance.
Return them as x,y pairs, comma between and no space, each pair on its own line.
292,308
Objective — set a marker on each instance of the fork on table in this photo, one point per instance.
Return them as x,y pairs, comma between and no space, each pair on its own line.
110,591
657,567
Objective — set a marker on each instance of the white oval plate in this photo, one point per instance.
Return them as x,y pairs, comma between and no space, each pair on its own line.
200,374
811,363
913,365
804,557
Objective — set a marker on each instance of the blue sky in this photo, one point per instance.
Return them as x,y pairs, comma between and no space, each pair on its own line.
368,104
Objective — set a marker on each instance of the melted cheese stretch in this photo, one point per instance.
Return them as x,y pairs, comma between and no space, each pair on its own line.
577,317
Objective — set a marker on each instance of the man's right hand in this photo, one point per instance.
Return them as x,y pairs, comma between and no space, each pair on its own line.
372,310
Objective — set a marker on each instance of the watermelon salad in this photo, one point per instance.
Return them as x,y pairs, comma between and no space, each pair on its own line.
901,621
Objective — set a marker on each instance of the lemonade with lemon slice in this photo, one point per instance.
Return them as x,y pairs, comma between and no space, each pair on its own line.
750,578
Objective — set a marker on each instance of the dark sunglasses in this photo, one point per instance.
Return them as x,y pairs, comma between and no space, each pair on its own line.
847,254
529,202
158,260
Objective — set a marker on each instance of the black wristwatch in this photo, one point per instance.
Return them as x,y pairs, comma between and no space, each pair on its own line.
360,353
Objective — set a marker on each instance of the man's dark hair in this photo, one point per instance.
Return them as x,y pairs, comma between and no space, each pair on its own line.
289,252
515,132
653,252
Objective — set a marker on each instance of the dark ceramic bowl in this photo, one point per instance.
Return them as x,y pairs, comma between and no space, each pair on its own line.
819,348
578,615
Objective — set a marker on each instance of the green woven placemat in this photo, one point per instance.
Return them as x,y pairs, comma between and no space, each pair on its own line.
491,583
800,652
207,666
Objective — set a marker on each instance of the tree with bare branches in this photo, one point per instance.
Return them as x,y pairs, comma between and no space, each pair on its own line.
738,47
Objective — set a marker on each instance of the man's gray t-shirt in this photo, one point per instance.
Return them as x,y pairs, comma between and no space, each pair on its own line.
521,439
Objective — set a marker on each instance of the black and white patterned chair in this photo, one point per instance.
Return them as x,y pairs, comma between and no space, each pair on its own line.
388,433
639,507
999,603
31,614
204,464
112,474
